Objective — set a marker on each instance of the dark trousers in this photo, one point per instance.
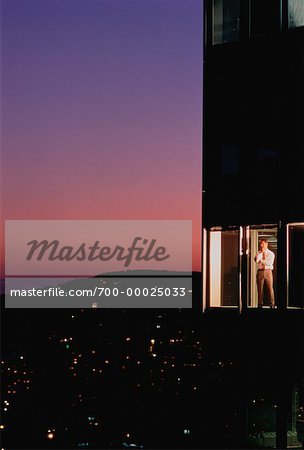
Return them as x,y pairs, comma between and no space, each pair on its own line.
265,277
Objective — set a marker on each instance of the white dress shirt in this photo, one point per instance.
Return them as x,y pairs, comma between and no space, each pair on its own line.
265,259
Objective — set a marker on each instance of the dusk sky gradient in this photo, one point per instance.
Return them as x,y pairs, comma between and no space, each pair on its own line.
101,110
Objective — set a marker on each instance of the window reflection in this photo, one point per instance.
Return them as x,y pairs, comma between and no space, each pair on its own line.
296,417
296,13
300,416
226,21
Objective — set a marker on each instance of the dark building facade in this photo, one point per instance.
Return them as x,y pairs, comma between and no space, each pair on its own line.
253,188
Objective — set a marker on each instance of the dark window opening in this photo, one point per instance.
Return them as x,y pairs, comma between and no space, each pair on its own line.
230,159
264,17
268,160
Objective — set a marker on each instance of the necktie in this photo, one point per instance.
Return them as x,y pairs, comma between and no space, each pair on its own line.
264,260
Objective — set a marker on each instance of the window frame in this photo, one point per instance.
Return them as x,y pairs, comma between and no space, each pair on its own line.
247,282
288,225
244,273
207,277
245,29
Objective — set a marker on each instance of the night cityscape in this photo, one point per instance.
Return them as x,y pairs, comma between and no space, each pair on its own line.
101,378
96,378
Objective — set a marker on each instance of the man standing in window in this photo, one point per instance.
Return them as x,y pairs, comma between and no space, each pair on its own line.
265,261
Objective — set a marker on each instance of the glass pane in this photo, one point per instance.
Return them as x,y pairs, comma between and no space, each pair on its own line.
299,412
296,417
224,268
226,21
267,156
264,17
259,279
296,13
230,159
295,266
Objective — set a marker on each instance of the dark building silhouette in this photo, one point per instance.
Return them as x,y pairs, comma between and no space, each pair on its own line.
253,188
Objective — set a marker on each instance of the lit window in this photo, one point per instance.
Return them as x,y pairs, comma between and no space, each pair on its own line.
224,268
295,262
296,13
255,235
226,21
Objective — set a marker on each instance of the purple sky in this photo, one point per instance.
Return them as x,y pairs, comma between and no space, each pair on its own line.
101,110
